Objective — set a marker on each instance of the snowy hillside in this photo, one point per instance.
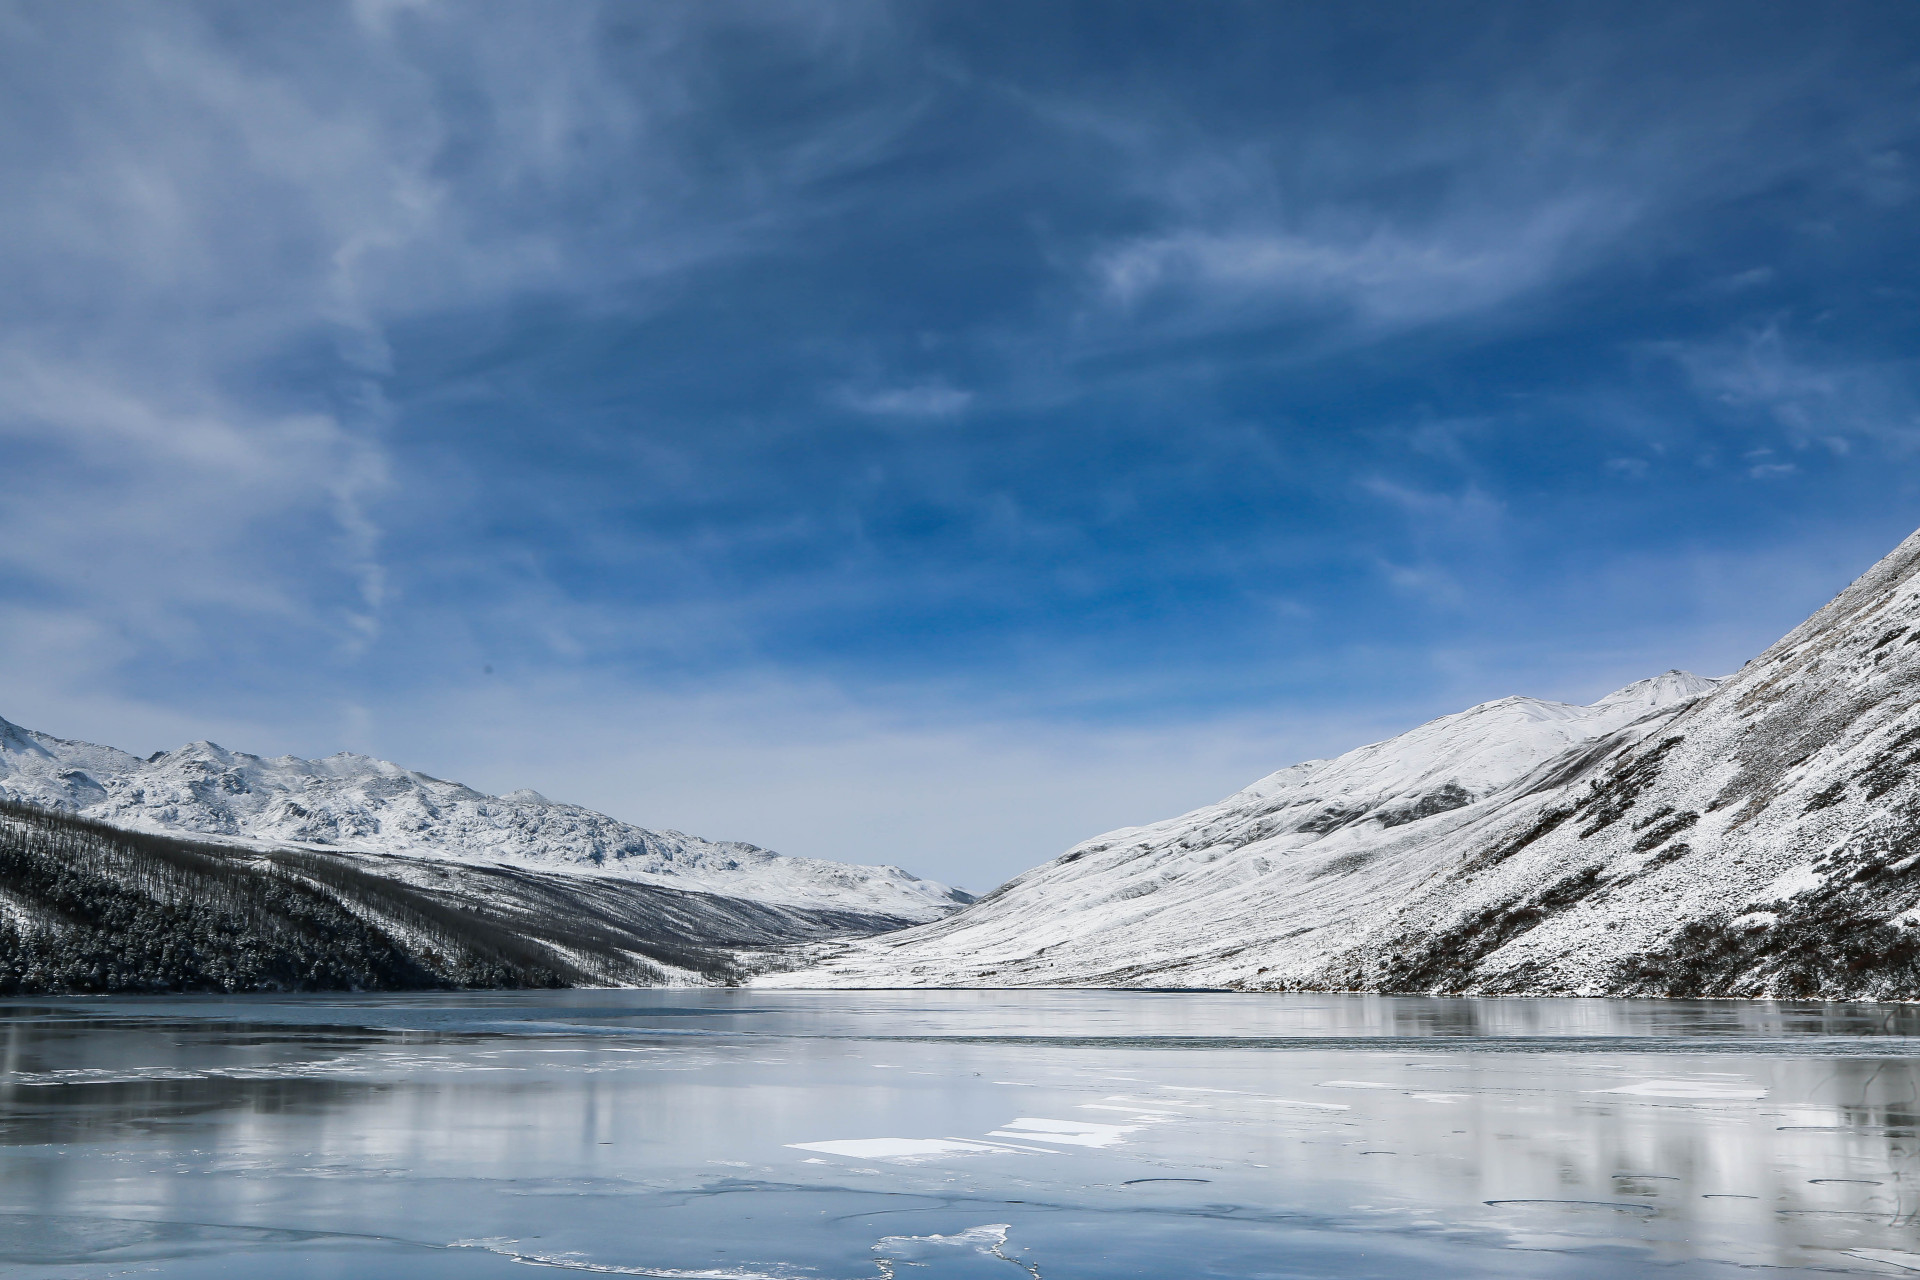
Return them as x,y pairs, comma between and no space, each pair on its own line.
352,802
1758,835
86,907
1132,905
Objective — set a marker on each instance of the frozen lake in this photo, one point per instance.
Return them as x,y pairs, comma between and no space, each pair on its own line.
955,1134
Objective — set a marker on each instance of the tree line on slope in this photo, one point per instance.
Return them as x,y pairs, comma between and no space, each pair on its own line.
89,907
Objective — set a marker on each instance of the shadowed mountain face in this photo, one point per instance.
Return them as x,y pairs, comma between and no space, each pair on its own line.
353,802
1758,835
85,907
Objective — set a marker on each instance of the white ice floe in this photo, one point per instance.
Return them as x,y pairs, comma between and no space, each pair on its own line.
901,1148
989,1239
1812,1117
1716,1090
1018,1136
1076,1133
572,1261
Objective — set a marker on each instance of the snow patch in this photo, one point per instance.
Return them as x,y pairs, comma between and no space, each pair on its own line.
1790,883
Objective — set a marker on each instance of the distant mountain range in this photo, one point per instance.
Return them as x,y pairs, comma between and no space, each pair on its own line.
209,869
354,803
1757,835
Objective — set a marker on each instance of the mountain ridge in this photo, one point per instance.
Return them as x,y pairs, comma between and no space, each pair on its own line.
1757,835
357,803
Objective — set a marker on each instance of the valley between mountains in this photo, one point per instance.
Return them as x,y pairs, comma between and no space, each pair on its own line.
1757,835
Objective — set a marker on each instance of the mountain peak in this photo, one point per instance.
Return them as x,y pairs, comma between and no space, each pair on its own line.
15,738
1663,690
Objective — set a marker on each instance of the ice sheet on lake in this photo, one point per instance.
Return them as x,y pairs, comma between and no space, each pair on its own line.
675,1162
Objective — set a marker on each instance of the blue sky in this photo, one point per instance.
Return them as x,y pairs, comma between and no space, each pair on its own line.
932,433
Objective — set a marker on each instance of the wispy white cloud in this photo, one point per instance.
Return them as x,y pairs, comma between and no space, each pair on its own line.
212,239
140,515
1366,268
922,400
1470,512
1440,530
1808,397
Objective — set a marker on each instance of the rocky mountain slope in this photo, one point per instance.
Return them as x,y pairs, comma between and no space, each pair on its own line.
356,803
1753,836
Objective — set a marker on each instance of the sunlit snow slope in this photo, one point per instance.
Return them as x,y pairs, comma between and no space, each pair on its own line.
353,802
1757,835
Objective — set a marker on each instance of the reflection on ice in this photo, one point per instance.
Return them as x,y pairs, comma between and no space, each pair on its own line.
908,1134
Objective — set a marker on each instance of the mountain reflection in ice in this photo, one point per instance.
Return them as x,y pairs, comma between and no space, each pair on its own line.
946,1134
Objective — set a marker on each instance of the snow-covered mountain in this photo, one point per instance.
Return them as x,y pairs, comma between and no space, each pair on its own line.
354,802
89,907
1136,905
1756,835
